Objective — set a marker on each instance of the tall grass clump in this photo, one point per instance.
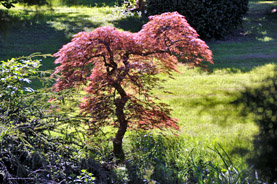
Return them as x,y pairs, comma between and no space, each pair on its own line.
157,158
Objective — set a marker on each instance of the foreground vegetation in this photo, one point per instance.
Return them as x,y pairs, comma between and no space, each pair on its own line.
203,102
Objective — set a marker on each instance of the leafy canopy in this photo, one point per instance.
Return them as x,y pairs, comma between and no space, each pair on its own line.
119,69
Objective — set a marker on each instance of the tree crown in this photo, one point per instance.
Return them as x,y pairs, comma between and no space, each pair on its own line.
119,69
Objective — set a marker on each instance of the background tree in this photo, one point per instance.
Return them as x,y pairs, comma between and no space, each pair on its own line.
119,70
139,6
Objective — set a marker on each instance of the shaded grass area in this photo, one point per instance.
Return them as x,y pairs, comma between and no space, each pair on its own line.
88,3
261,20
25,31
46,31
243,56
256,45
200,100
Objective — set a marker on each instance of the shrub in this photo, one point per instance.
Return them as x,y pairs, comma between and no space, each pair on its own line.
162,159
210,18
36,145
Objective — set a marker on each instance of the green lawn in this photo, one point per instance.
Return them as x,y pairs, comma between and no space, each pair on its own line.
200,100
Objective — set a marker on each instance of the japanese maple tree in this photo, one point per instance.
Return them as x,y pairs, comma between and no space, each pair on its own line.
119,69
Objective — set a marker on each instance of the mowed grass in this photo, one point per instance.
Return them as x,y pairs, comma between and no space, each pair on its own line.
47,29
201,101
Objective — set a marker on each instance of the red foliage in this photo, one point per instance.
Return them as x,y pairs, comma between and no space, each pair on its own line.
119,69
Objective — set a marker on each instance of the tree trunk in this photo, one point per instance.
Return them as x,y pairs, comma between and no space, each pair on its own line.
123,123
140,6
120,104
117,142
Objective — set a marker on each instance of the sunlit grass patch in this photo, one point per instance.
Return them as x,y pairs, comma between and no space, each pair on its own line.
202,102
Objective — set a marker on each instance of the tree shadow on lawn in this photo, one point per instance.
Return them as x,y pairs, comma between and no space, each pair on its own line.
261,102
242,64
260,105
39,31
261,20
90,3
44,32
257,45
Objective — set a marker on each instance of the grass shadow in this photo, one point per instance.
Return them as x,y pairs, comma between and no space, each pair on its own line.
39,31
256,46
261,103
43,31
244,64
260,22
215,103
256,104
91,3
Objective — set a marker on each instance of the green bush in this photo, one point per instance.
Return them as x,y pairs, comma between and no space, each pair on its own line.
38,145
210,18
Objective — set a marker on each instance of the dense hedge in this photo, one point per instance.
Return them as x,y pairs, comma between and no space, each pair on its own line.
210,18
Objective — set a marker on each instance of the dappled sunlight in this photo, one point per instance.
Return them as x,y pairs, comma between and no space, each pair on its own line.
204,105
71,24
239,135
48,28
261,21
265,39
66,19
263,2
260,103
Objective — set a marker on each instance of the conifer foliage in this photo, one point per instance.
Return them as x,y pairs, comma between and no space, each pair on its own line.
119,70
